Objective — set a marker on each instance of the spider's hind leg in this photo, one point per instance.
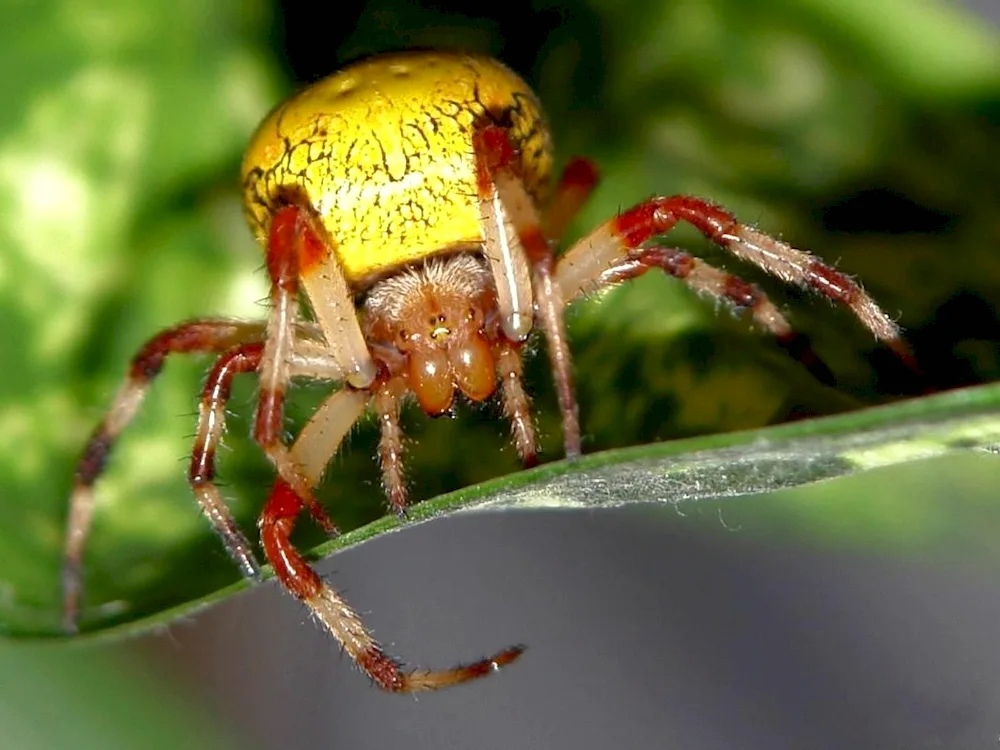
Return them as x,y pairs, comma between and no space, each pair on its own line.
619,243
740,295
203,336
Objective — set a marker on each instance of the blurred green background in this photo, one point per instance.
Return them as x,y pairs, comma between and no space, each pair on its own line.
867,132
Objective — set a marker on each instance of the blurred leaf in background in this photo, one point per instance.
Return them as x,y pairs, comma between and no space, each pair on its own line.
119,120
58,698
866,132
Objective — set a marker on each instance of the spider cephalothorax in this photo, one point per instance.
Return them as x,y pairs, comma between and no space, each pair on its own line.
426,172
435,326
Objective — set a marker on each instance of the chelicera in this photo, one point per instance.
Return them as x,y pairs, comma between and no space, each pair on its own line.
405,208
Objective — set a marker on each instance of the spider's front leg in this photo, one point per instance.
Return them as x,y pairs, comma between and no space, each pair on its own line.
616,251
513,229
343,623
316,444
299,253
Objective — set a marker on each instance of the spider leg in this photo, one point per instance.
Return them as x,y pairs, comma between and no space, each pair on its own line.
296,251
292,252
504,198
387,402
322,435
299,245
577,182
276,525
208,435
707,279
502,245
312,450
613,242
516,404
318,441
203,336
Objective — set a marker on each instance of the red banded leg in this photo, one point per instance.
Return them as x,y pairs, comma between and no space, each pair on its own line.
208,336
208,435
299,239
503,194
316,443
336,615
612,244
742,296
576,183
300,469
292,245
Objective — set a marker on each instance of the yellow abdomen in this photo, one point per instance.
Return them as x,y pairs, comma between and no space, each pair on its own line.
382,153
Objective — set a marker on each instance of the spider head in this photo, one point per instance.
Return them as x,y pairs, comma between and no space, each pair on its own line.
434,317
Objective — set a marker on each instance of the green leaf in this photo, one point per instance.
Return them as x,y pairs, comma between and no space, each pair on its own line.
681,472
119,148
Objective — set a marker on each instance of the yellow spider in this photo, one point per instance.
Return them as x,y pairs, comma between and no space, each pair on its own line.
407,198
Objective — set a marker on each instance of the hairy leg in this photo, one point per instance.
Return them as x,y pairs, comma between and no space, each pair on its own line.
613,242
516,404
337,616
497,177
734,291
206,336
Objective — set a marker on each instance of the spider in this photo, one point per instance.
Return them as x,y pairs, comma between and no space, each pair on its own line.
405,209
